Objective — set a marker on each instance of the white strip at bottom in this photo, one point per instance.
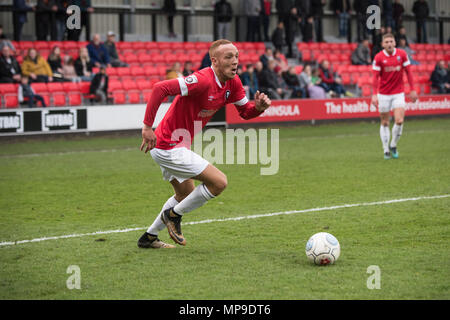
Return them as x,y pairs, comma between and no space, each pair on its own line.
256,216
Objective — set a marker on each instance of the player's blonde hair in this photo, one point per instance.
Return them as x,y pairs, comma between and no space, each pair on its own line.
388,35
215,45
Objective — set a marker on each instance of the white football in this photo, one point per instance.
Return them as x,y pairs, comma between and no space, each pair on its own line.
323,248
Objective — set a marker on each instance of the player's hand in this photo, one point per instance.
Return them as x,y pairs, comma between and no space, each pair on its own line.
262,101
148,138
413,95
375,100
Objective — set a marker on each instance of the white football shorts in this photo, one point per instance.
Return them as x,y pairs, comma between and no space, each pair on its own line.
388,102
179,163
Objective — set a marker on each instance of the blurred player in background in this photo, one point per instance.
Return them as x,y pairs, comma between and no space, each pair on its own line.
388,91
199,96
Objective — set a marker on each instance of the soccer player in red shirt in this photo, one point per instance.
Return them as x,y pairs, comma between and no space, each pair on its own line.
388,94
199,96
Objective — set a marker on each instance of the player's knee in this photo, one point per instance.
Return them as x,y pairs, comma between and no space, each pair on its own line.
399,121
220,184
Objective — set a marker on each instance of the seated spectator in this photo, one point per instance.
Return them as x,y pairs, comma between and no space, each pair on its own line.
278,36
361,55
267,80
330,82
55,62
110,45
4,41
402,45
266,57
69,72
281,60
26,91
187,70
311,84
293,83
440,78
36,68
98,52
401,34
250,81
308,30
99,86
10,70
83,65
286,91
174,72
206,61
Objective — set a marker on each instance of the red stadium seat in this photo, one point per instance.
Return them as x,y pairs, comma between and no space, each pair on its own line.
41,45
125,71
366,91
129,85
114,85
74,99
119,97
55,87
59,99
39,87
6,88
70,87
145,58
138,45
138,72
131,58
110,71
134,97
11,101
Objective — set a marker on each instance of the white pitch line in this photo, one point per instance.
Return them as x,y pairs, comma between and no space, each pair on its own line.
256,216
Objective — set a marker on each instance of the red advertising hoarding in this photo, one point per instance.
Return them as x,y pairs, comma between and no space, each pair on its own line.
307,109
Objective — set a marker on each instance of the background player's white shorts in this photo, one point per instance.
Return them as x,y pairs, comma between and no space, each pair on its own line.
179,163
388,102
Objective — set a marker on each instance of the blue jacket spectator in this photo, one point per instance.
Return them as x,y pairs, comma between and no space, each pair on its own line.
98,52
250,81
20,17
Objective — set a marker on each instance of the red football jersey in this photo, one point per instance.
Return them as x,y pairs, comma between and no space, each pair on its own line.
390,68
201,94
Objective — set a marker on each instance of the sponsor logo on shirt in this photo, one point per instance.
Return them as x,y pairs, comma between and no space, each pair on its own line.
392,69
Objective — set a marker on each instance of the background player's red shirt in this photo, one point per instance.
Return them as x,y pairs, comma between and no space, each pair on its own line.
200,95
390,68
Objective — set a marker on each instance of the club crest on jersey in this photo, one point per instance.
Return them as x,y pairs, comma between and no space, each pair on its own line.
191,79
398,58
227,94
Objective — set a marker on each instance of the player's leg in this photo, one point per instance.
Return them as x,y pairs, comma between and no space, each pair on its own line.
385,133
150,238
397,129
213,183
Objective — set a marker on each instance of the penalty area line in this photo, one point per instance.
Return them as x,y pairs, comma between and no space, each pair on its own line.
255,216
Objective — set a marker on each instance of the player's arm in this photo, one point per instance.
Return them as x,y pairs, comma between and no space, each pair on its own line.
249,109
160,91
376,81
413,93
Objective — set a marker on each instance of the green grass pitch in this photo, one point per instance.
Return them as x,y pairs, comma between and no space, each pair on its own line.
61,186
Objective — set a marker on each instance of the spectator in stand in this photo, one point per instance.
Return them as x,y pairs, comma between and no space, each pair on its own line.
59,29
310,84
388,12
206,61
26,91
440,78
308,30
317,12
4,41
397,14
55,62
83,65
280,60
266,57
278,36
170,9
410,52
401,34
281,83
291,24
267,82
376,40
20,8
224,14
98,52
99,86
361,55
44,11
360,7
36,68
421,11
342,9
250,81
293,83
266,6
187,70
86,10
331,83
174,72
110,45
69,72
10,71
252,9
